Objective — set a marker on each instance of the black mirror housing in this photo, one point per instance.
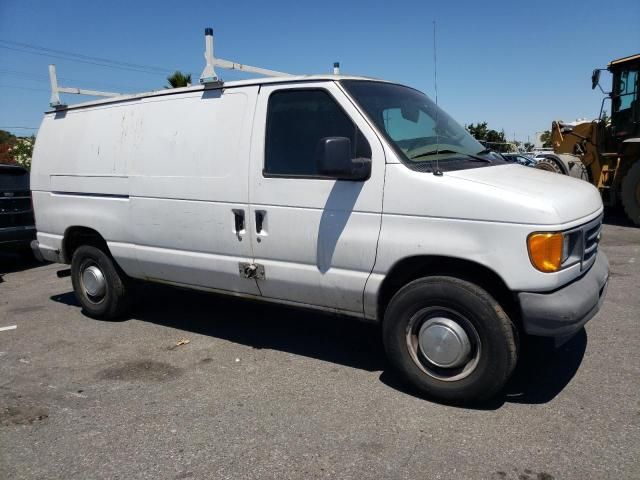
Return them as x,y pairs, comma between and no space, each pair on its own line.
333,157
595,78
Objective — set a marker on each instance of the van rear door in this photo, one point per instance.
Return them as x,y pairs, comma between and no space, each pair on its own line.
315,236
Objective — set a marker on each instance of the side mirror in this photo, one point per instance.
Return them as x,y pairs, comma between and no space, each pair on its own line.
595,78
333,158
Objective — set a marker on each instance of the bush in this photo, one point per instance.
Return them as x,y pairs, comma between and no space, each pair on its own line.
16,150
22,152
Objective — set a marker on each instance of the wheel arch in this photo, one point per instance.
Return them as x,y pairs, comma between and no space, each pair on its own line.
411,268
77,235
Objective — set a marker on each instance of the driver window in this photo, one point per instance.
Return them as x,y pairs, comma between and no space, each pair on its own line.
297,119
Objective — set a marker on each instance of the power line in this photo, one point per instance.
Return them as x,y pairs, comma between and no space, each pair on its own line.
22,128
41,78
20,87
17,72
87,57
51,55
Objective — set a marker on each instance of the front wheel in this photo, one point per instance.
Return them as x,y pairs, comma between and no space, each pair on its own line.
450,339
101,287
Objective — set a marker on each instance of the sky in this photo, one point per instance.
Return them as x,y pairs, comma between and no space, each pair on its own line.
516,65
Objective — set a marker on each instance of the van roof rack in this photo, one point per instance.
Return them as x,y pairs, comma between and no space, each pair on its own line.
56,90
209,78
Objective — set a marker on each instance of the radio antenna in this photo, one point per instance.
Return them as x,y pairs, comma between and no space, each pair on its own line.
437,170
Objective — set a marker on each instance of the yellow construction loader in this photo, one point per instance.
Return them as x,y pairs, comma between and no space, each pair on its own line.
605,152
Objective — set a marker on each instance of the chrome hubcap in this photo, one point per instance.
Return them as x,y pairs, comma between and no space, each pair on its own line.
93,281
443,342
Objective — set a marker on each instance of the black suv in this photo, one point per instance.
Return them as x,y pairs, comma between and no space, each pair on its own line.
17,225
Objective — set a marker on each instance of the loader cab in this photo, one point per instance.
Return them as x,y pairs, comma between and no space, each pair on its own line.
625,110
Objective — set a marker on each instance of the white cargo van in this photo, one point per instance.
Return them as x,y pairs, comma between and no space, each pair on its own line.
332,192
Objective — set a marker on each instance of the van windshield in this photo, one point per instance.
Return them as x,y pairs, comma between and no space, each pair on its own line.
420,132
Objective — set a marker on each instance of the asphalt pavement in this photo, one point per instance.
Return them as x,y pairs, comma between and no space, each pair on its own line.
201,386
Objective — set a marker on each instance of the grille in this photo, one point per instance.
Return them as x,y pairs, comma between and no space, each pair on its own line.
591,238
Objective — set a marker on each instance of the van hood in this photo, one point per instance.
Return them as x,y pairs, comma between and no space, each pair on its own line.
569,198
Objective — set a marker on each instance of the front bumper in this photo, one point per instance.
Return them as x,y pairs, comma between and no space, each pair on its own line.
565,311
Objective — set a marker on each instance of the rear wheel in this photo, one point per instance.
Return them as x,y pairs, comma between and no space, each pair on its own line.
101,287
631,193
450,339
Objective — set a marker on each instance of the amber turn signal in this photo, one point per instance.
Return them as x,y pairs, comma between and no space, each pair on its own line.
545,251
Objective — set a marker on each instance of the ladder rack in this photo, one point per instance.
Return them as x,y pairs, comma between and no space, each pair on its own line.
208,78
56,90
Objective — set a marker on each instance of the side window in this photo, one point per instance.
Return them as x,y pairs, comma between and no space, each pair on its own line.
296,122
627,89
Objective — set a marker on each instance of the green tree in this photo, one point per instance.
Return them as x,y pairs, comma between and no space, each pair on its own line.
178,79
528,146
545,138
480,131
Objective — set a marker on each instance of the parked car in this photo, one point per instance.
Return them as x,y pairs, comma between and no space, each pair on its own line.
337,193
519,158
17,228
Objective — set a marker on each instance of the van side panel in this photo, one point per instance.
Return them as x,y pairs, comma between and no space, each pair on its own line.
159,178
79,178
187,185
87,143
107,215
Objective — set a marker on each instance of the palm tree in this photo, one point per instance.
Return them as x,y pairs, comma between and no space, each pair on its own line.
178,79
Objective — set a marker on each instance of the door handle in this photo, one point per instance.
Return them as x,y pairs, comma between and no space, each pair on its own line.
259,220
238,219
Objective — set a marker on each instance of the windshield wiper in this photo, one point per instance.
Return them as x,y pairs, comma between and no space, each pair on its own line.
435,152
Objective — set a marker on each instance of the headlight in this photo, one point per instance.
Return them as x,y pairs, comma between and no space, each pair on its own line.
545,251
552,251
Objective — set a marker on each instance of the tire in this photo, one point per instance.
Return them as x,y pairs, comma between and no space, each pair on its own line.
549,165
631,193
427,302
578,170
107,299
